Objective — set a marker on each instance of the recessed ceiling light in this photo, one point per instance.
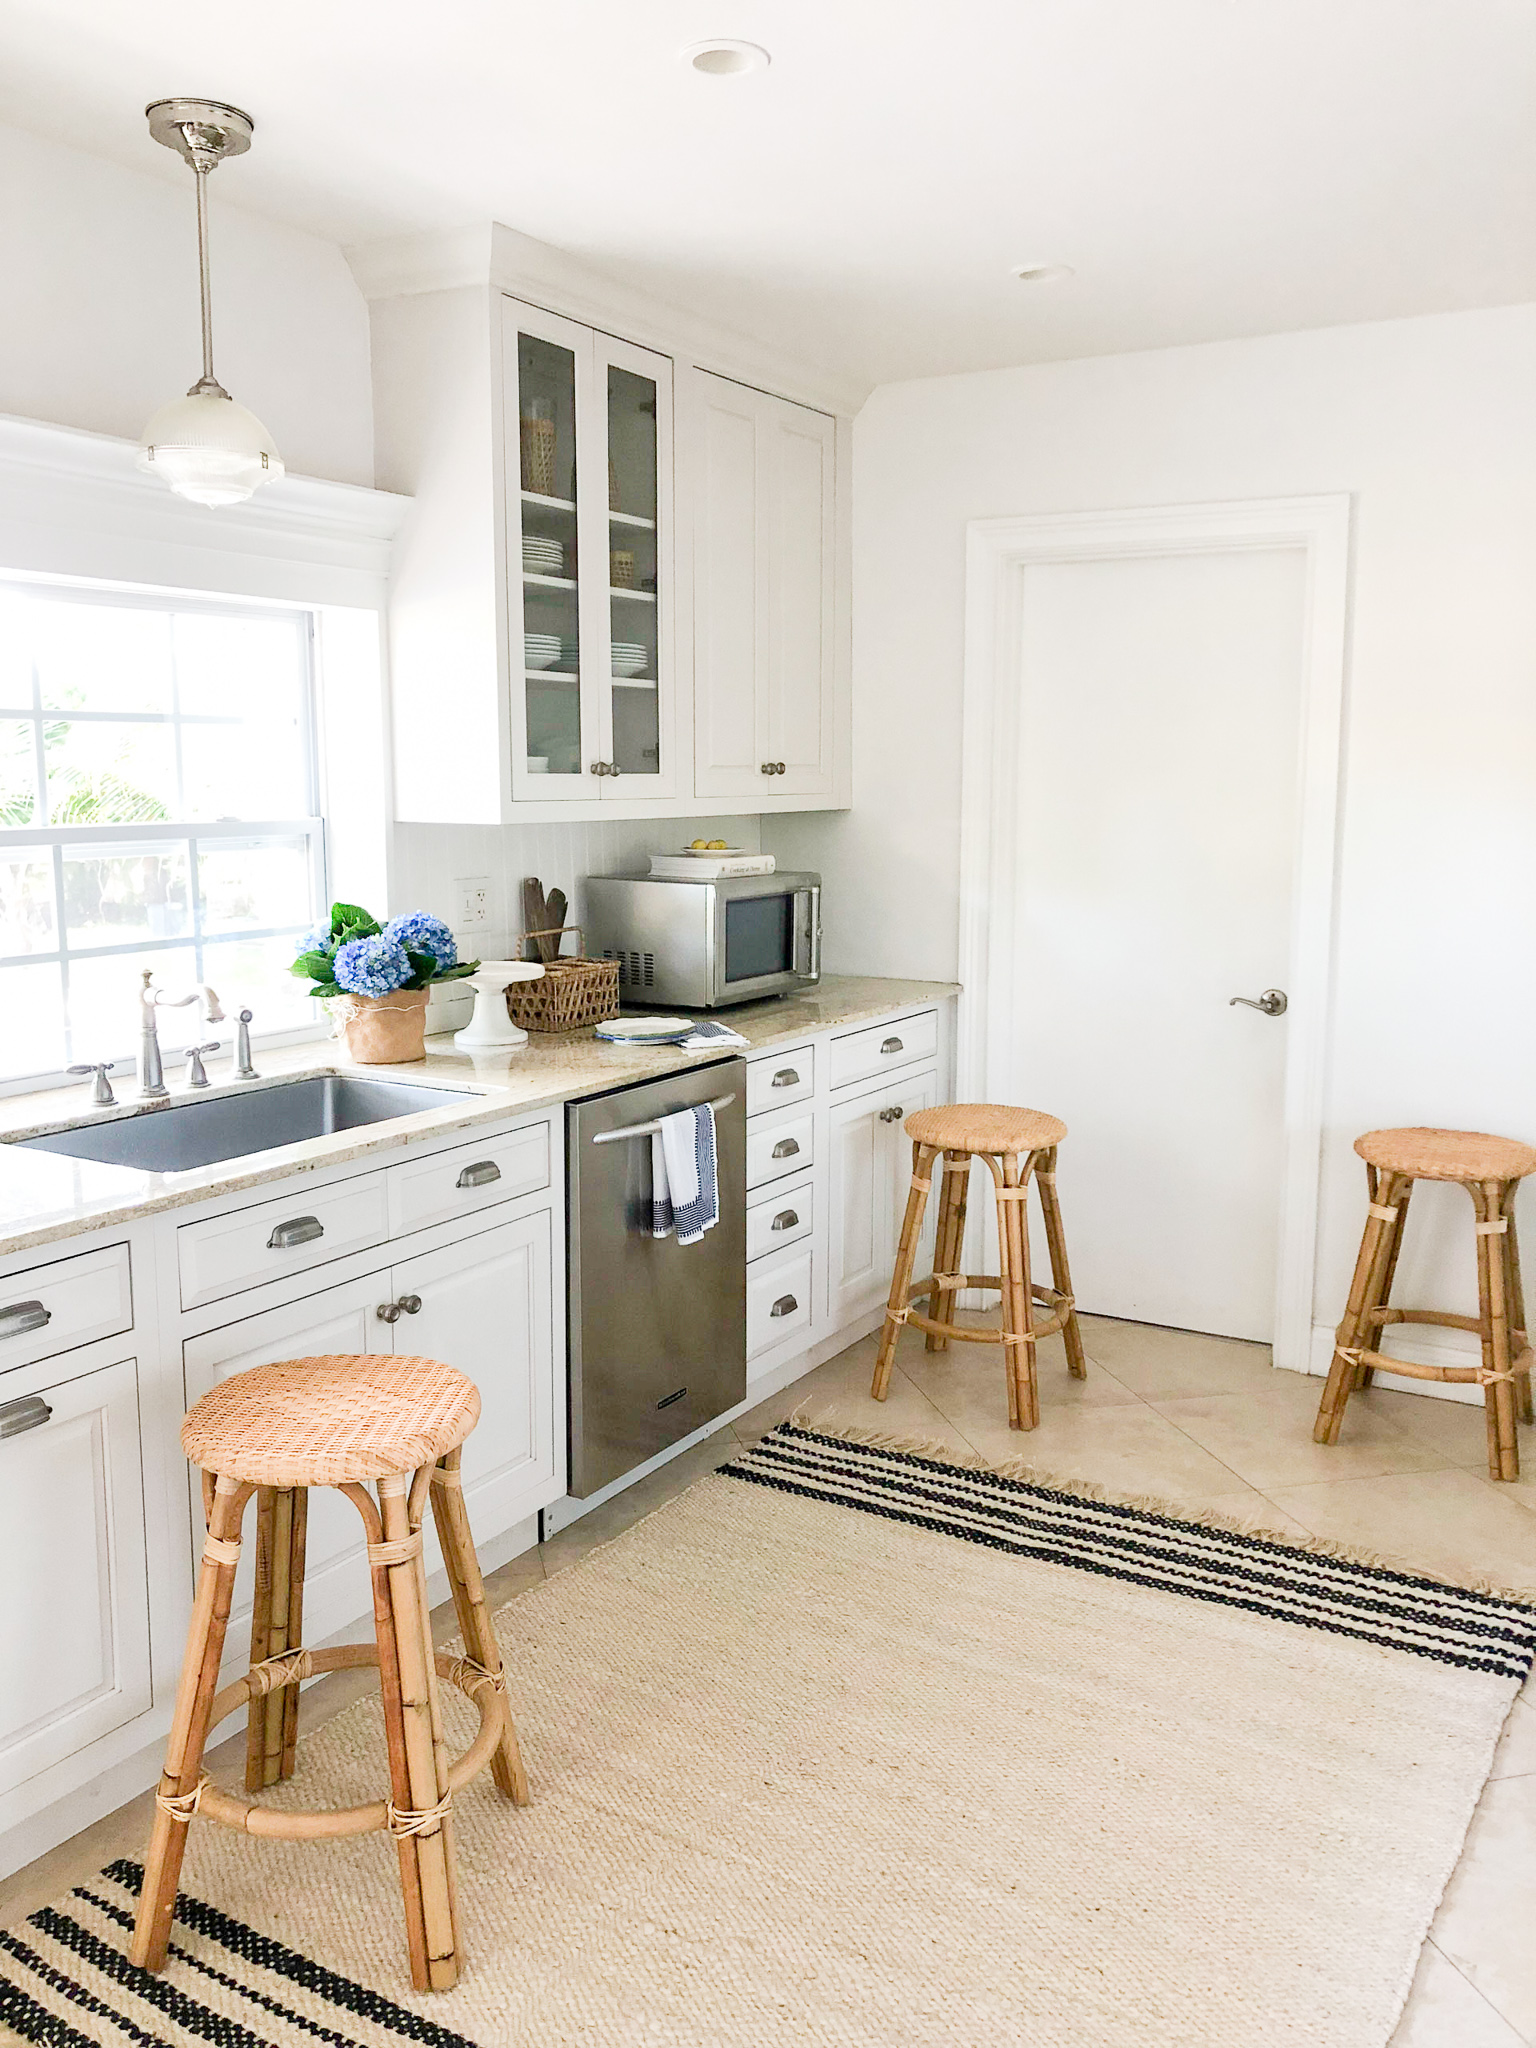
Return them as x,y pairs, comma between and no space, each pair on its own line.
724,57
1042,273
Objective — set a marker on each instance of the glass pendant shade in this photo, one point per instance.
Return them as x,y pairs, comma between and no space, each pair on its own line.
209,449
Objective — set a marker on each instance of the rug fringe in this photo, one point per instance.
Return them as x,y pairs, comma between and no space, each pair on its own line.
1028,1471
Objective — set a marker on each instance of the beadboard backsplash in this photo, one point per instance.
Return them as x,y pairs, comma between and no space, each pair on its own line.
433,862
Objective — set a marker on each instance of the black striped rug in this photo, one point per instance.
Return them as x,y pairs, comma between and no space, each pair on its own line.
1372,1603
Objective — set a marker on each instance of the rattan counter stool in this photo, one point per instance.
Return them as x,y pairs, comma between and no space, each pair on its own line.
1491,1170
1017,1144
350,1422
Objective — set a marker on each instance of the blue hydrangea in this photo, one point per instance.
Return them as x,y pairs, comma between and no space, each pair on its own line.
318,940
419,932
371,967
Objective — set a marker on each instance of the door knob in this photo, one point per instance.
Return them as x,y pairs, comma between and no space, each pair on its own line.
1274,1002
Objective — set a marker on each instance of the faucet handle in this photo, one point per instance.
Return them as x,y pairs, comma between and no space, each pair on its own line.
101,1095
197,1076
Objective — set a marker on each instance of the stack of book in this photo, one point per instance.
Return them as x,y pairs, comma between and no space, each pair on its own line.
708,867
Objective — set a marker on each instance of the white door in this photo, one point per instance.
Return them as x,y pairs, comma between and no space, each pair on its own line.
339,1320
1159,721
727,622
75,1659
871,1174
486,1308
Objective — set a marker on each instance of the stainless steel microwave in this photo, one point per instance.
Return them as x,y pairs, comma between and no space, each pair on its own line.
704,945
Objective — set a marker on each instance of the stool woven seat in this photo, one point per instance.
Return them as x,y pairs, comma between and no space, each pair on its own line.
331,1421
1425,1153
985,1127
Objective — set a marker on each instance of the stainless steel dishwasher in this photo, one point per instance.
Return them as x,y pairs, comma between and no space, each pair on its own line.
658,1330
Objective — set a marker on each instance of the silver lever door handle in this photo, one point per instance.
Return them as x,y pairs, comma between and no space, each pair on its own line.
1274,1002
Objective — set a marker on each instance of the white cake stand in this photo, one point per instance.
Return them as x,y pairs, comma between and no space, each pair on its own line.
491,1029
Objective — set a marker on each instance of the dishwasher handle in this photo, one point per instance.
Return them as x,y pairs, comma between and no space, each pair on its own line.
649,1130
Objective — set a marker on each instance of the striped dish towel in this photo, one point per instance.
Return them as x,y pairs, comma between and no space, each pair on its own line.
685,1191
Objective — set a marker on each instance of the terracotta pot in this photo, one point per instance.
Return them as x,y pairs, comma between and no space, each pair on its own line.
382,1031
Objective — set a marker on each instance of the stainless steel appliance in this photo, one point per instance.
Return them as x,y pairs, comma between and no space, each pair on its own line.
703,945
657,1330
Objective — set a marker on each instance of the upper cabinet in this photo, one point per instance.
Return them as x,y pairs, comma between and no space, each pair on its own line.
764,554
594,613
587,471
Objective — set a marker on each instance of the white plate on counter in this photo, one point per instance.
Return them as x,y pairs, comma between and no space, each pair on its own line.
646,1030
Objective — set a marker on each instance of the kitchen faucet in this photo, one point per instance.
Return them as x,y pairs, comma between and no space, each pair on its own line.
152,1086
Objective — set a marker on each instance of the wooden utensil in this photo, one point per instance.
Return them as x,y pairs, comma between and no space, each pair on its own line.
534,915
555,918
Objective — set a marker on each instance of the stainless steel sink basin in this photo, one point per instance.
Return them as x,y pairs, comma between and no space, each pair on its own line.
191,1134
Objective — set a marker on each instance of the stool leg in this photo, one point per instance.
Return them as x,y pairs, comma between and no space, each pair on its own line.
1499,1406
189,1729
1367,1291
949,1243
463,1567
1018,1304
426,1779
1370,1338
272,1720
1519,1339
923,1157
1061,1274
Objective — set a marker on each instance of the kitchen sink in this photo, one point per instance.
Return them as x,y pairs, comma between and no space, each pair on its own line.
191,1134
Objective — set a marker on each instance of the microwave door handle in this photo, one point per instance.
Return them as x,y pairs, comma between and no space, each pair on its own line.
807,961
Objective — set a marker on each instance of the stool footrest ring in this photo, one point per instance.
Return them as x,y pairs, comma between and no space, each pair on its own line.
1062,1304
245,1815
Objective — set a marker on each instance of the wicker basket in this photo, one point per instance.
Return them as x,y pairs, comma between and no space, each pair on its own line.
538,448
572,992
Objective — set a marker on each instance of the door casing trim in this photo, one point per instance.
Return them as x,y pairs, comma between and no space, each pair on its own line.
998,554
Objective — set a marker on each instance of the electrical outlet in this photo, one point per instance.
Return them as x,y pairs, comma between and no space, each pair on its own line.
474,902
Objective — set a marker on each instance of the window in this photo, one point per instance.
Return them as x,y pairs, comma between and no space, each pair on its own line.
158,809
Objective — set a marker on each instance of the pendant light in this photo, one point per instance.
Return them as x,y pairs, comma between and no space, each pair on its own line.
205,446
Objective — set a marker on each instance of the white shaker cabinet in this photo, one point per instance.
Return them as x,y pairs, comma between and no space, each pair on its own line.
764,553
871,1172
484,1304
76,1605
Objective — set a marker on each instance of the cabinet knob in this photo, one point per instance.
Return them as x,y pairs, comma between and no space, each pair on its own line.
388,1311
599,767
891,1116
410,1303
767,769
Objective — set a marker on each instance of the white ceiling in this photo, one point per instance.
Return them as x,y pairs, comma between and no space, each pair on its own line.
1209,167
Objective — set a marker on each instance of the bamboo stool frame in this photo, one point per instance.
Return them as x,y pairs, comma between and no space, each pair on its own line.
1505,1371
422,1776
1020,1335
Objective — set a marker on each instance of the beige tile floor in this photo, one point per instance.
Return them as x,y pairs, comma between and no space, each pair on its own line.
1199,1421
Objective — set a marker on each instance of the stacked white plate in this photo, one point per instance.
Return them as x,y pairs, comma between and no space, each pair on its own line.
541,650
629,657
543,556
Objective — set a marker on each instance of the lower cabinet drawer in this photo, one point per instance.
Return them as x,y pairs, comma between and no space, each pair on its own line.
68,1302
470,1177
778,1301
782,1219
781,1078
778,1146
881,1048
308,1227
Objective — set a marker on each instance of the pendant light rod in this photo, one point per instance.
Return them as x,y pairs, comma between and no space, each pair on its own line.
207,382
203,133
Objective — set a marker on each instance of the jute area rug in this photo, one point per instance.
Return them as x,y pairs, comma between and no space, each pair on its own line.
846,1746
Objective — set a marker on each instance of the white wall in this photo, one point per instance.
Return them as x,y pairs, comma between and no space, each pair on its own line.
1431,424
98,271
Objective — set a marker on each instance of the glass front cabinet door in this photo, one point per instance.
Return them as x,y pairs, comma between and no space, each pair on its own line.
588,480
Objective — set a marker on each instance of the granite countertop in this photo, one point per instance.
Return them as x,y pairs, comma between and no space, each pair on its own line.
45,1196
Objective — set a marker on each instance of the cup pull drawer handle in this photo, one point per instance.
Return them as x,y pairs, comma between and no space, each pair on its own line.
786,1077
786,1148
480,1175
16,1417
784,1306
22,1316
891,1045
785,1220
298,1230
